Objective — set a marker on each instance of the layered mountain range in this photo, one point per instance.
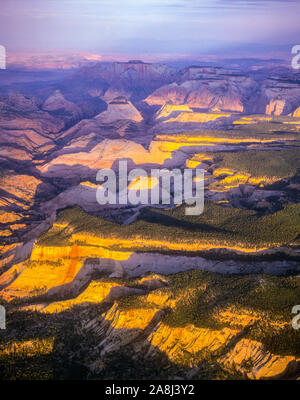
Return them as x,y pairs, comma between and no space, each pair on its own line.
202,87
198,86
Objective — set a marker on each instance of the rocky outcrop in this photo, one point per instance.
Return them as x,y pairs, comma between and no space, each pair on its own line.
275,107
119,109
226,95
64,271
58,105
250,358
19,102
282,95
185,117
296,113
171,110
25,130
167,150
143,330
133,79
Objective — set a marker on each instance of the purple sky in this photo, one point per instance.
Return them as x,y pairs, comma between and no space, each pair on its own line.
189,27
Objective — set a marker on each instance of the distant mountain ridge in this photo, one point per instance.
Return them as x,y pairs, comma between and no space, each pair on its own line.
197,86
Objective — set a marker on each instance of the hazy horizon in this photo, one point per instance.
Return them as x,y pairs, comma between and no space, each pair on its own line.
151,28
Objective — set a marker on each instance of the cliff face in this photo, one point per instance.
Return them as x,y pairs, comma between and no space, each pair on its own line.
190,346
133,79
282,95
297,112
203,87
58,105
225,96
275,107
168,320
120,109
189,323
197,117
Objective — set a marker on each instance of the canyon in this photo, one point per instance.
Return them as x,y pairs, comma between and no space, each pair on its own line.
194,297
